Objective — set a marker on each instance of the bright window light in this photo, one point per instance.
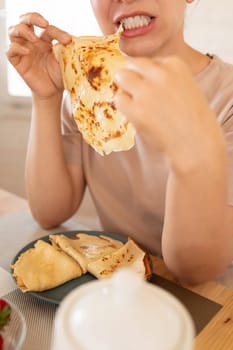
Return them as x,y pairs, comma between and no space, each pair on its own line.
74,16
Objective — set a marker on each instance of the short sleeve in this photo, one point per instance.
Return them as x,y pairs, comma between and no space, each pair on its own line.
216,81
228,132
72,139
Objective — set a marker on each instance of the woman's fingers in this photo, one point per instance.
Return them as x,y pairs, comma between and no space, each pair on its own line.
15,53
139,72
53,33
21,32
33,19
130,84
25,30
128,81
16,49
122,100
145,67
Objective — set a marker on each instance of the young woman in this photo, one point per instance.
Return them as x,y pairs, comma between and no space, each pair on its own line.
173,191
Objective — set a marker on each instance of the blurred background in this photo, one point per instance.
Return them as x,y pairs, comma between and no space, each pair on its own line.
208,27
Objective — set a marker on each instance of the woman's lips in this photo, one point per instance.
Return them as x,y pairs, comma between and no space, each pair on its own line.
129,33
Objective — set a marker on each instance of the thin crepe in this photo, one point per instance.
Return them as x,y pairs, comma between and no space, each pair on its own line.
85,248
88,65
130,255
44,267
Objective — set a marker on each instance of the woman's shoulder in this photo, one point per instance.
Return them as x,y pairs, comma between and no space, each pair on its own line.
216,81
218,71
223,68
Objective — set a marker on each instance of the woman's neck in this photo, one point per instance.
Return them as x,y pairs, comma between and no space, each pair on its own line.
196,60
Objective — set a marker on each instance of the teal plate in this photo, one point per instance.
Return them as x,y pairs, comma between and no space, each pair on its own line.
55,295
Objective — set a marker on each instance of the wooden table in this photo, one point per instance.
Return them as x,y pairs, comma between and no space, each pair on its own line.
217,335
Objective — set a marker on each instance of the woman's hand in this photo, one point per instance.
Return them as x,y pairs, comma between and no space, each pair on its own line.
166,106
32,55
170,113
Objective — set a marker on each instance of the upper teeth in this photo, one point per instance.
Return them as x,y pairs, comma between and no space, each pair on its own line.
136,21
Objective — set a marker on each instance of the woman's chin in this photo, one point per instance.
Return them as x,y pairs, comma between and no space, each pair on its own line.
137,50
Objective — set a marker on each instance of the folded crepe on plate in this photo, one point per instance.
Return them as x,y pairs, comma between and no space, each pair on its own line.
130,255
85,247
88,65
44,267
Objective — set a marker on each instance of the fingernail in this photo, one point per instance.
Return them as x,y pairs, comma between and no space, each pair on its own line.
66,37
42,21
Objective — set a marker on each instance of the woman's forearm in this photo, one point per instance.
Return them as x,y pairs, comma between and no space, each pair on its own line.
197,243
48,181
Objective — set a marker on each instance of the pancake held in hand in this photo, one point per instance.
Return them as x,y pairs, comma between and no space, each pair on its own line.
88,65
44,267
130,255
85,248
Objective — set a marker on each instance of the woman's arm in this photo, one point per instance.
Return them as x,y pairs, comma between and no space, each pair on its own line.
197,239
170,113
54,189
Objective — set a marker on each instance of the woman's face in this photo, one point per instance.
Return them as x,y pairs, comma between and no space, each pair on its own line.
151,27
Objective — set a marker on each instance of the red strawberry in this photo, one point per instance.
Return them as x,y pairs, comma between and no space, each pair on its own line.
1,342
5,311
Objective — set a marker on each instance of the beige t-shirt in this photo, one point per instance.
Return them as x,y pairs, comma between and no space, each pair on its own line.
128,188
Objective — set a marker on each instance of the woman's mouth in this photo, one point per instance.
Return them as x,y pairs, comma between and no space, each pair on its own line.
135,22
136,25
